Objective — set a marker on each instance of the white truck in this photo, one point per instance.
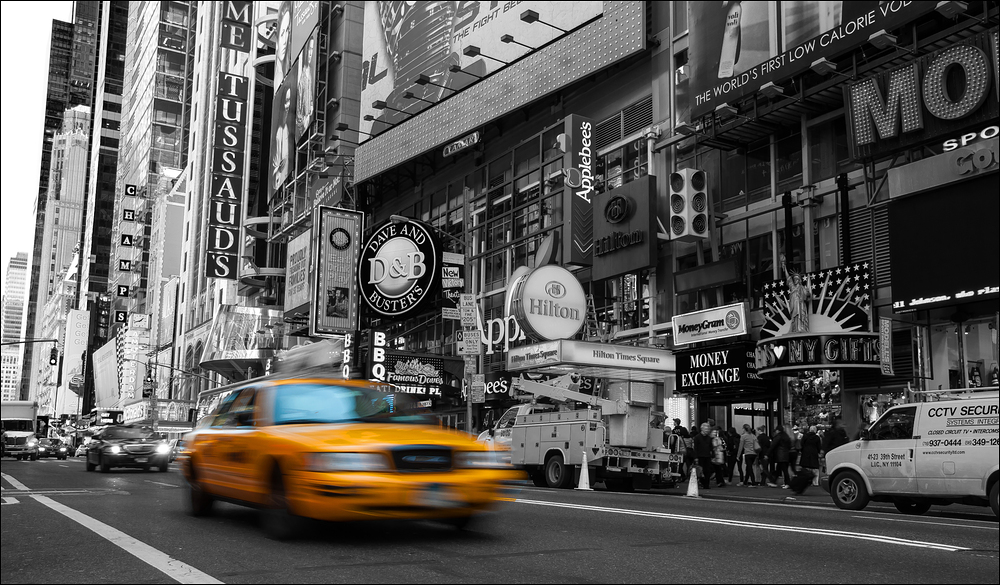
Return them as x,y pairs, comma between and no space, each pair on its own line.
19,419
611,438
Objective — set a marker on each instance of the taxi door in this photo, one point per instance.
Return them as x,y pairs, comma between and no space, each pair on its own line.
235,438
206,444
887,452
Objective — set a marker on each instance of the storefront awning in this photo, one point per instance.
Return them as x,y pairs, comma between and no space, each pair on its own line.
242,339
597,360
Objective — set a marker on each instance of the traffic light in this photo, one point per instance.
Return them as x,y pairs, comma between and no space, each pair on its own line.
689,205
54,357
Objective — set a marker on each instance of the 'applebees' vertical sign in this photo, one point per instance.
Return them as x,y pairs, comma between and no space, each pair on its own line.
228,176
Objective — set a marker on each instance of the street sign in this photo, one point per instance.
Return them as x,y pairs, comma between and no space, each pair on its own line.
478,388
479,395
478,381
467,300
470,343
452,258
450,313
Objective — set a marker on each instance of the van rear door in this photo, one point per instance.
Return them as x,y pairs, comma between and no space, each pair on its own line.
887,453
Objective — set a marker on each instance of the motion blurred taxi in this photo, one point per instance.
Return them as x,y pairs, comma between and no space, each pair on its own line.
334,449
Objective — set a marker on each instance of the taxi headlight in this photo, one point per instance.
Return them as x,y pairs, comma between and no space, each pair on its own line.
479,460
115,449
330,462
161,449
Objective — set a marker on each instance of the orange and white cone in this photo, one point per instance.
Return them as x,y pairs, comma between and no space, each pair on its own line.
693,484
584,483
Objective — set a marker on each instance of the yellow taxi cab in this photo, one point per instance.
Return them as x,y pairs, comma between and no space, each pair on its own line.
304,446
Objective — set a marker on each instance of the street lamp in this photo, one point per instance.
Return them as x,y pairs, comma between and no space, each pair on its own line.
401,219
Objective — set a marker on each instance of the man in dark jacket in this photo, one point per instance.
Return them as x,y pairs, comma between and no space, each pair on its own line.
781,446
703,453
763,456
834,438
809,455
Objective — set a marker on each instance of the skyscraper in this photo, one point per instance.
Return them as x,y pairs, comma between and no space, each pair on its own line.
14,286
72,51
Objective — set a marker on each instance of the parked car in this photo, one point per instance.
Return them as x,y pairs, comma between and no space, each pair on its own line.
127,446
52,448
333,449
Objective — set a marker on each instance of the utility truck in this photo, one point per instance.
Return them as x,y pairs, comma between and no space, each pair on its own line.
611,438
19,418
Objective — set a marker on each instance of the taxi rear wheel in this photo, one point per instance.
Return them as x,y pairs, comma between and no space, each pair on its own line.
277,519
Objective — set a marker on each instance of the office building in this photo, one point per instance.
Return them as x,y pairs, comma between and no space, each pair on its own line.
15,283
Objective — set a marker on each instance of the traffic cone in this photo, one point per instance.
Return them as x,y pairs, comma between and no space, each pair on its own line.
693,484
584,483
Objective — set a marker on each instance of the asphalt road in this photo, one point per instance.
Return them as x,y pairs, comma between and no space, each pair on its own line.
70,526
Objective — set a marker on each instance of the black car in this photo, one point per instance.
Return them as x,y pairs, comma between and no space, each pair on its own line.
128,446
52,448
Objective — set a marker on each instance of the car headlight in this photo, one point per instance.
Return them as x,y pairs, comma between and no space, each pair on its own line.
32,442
116,449
62,448
478,460
41,448
162,449
329,462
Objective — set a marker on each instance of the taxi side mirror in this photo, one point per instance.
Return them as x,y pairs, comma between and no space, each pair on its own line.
492,432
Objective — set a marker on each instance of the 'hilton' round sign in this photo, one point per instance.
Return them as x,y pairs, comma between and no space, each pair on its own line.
398,267
549,303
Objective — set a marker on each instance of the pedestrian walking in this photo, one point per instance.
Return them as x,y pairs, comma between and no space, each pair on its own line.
781,447
733,461
718,457
703,454
763,457
747,453
809,455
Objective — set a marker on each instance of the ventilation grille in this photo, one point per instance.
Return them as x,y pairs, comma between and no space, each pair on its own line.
630,120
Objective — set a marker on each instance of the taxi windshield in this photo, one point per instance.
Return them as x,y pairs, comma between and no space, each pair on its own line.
327,404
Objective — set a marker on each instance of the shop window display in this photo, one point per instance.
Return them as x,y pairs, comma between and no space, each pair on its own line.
814,398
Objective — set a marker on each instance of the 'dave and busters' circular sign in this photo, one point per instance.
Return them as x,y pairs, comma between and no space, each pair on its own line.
549,303
398,267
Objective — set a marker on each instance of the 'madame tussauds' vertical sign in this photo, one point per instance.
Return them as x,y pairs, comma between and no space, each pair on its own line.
228,176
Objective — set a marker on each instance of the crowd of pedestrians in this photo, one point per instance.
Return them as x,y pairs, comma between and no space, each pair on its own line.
788,457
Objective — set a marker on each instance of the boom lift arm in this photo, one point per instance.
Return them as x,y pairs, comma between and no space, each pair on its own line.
566,388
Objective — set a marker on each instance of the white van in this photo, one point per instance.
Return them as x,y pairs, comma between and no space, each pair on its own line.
920,454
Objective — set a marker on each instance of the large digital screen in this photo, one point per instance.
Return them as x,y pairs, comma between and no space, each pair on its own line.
404,40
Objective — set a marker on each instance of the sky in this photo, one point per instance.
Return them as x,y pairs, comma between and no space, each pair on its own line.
25,29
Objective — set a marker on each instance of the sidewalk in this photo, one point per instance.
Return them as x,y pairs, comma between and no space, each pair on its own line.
814,495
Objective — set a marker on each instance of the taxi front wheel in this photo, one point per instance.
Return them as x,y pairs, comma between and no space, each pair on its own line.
198,500
277,519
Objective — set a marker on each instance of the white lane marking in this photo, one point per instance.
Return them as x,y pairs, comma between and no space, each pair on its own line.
171,567
926,522
61,465
161,483
12,481
740,524
9,501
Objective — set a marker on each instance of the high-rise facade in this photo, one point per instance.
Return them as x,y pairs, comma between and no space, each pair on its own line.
14,286
153,143
61,229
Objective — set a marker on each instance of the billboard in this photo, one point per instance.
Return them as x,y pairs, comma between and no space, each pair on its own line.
283,135
404,40
298,270
305,90
625,229
106,375
75,351
296,23
398,270
733,45
581,165
334,309
920,101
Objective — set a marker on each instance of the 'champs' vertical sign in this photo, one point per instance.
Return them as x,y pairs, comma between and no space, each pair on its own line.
228,176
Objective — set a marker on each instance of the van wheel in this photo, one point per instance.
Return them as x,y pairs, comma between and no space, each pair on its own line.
911,507
557,473
993,499
849,492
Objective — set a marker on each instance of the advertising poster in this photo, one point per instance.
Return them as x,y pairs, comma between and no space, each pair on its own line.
305,104
298,269
283,134
296,23
406,39
335,300
733,45
836,300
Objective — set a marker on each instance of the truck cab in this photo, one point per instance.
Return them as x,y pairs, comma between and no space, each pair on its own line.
498,436
18,418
